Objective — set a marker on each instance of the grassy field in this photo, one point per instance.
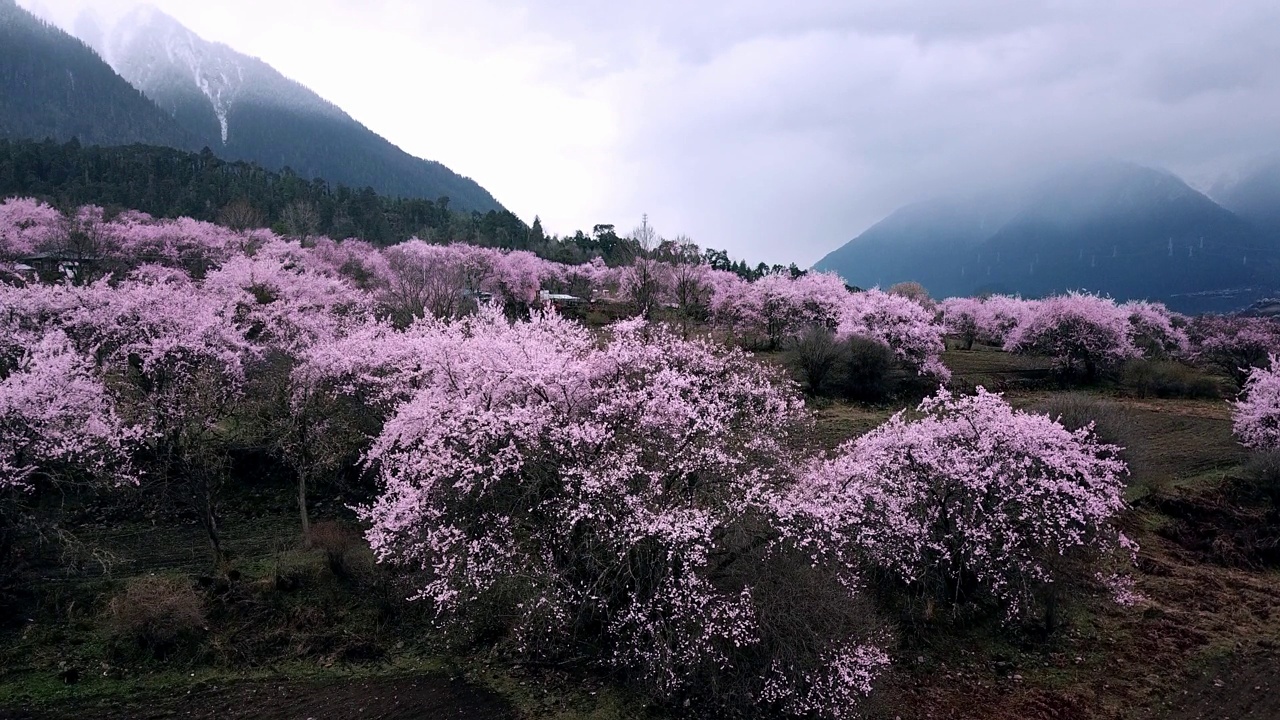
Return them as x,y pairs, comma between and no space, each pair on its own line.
289,637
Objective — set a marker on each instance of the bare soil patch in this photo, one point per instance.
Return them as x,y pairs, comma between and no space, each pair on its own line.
408,698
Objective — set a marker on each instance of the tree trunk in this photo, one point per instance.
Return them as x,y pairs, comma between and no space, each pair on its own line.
1051,610
302,508
209,518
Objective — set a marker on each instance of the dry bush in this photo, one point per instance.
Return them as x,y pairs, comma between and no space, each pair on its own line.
338,542
866,369
815,357
1077,409
915,292
156,615
1167,379
1263,469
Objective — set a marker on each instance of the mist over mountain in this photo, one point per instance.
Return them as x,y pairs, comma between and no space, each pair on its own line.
1255,196
1110,227
54,86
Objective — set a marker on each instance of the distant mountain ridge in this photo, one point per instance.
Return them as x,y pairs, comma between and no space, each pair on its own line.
200,82
1115,228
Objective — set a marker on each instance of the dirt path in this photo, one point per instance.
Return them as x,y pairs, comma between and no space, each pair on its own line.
381,699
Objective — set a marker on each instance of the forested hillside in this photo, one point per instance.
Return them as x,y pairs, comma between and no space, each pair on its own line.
172,183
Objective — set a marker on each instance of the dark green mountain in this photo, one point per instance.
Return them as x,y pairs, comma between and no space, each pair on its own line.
244,109
54,86
1114,228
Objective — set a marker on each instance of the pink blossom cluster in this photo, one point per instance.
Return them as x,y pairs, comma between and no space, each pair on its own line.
1256,417
778,307
1157,331
29,227
57,418
906,327
1076,329
289,298
972,499
133,238
987,320
171,353
26,225
446,280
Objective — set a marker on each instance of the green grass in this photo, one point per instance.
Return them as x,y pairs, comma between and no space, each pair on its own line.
838,421
995,369
1167,443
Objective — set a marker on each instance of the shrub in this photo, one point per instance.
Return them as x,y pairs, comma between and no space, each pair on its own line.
1079,410
975,502
156,615
1167,379
815,358
1264,469
866,367
337,542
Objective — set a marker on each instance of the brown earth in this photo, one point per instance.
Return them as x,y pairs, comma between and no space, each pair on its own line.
408,698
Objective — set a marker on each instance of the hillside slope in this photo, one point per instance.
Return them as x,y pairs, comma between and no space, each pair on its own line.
54,86
1255,196
244,109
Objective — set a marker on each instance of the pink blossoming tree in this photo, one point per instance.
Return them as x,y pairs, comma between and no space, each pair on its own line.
618,500
1257,417
1077,330
1233,344
177,361
902,324
1156,331
27,226
974,501
57,421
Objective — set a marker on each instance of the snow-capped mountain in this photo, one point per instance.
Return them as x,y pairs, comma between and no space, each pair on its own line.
243,109
53,86
177,68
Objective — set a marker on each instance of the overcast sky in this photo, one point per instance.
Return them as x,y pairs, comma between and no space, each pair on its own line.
781,129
